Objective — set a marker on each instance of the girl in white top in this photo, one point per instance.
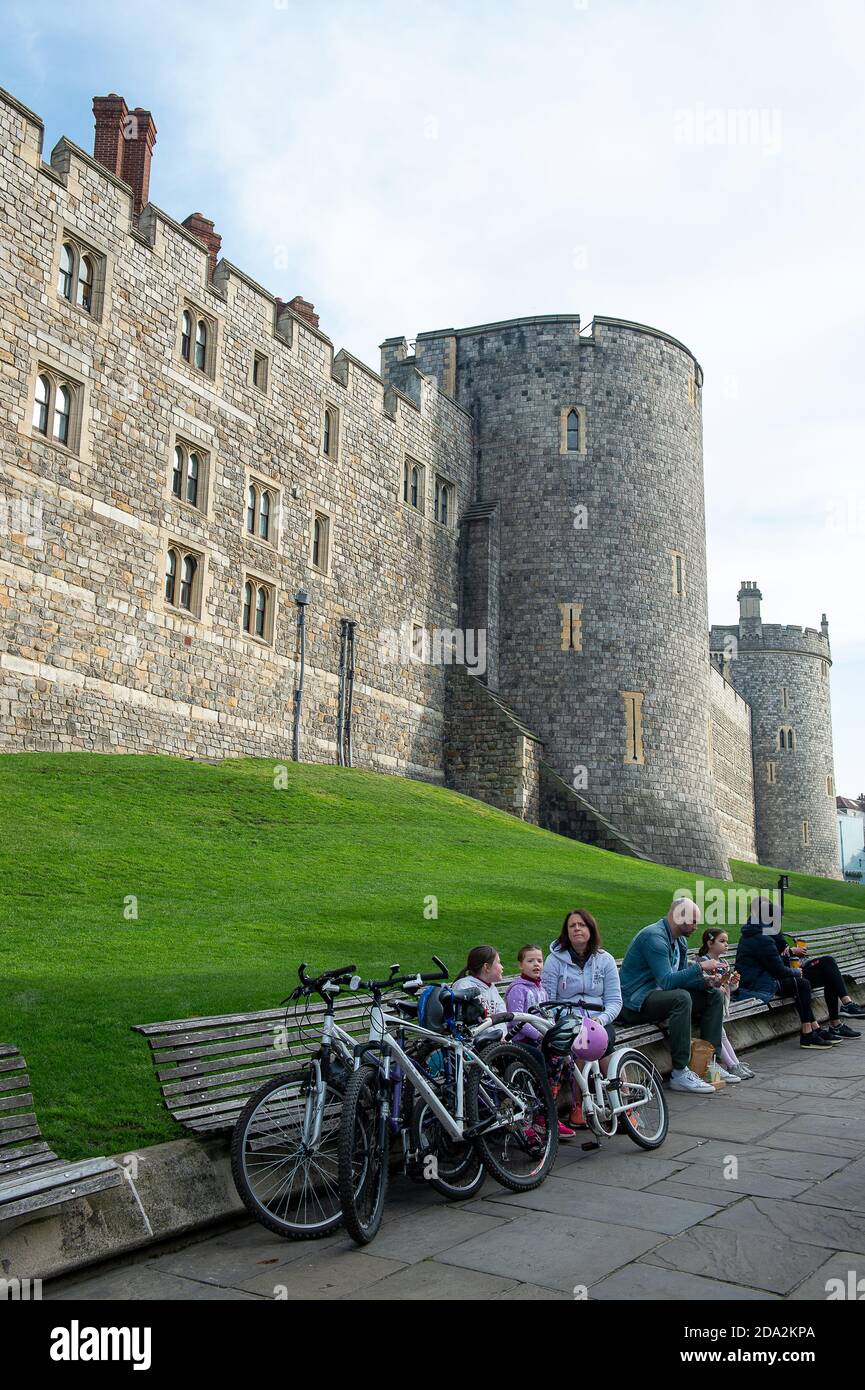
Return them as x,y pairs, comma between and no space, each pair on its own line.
482,971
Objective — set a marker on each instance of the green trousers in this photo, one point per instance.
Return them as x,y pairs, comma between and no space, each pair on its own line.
681,1008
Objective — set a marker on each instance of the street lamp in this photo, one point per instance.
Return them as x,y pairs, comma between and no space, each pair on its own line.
301,598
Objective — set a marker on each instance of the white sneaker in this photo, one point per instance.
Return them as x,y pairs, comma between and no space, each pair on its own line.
729,1076
686,1080
745,1072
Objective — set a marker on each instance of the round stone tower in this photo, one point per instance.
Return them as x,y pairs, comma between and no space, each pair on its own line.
585,560
783,673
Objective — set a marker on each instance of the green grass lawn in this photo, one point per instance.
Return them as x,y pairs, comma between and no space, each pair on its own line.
235,883
805,885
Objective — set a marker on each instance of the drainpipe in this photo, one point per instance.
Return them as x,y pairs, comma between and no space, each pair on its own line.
301,598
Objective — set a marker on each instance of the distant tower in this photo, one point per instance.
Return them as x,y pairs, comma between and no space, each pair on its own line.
584,559
783,673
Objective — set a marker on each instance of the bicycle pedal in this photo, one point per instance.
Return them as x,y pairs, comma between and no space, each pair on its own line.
591,1144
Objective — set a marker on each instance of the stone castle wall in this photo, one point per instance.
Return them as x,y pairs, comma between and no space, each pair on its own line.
92,657
731,765
639,475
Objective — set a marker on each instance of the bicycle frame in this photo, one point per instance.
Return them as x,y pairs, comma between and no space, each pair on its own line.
593,1085
381,1041
331,1034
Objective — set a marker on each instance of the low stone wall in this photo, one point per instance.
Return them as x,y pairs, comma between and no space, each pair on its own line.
489,753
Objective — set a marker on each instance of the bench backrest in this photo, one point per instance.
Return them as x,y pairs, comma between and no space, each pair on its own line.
21,1142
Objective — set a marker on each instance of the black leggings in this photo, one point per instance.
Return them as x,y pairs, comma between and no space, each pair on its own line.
800,989
824,971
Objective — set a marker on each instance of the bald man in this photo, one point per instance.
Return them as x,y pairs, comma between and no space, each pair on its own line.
658,984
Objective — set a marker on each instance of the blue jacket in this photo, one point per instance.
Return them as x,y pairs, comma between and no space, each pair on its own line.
656,959
758,961
596,984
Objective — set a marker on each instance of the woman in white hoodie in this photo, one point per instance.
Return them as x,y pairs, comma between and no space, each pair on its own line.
578,971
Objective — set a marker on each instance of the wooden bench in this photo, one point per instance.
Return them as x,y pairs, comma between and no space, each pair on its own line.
31,1174
208,1068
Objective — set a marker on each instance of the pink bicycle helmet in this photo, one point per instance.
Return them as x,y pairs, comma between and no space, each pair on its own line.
591,1042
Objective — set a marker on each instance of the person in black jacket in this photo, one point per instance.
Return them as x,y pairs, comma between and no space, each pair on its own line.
765,974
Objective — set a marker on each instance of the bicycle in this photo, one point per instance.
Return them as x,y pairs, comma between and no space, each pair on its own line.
629,1095
500,1102
284,1144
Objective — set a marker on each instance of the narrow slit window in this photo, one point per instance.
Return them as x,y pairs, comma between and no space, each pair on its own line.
573,432
572,626
633,702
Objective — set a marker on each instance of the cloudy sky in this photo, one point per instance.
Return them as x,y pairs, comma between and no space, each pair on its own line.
425,164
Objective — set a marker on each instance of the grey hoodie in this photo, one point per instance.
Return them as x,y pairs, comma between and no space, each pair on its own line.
596,984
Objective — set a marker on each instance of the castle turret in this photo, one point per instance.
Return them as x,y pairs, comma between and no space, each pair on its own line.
584,559
783,673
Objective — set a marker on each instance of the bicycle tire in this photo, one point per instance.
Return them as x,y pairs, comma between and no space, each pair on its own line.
541,1132
632,1125
459,1170
363,1156
256,1126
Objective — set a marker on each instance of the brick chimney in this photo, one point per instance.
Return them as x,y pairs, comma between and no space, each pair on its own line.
303,309
202,228
124,143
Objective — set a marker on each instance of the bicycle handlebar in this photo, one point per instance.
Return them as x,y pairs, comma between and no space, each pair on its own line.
313,985
376,986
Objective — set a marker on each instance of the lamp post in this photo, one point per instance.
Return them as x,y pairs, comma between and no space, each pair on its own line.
783,884
301,598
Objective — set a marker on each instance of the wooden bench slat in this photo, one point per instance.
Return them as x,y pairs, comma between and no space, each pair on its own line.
16,1102
53,1197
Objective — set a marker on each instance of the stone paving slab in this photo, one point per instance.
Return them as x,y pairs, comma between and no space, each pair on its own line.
719,1195
557,1252
140,1283
640,1281
817,1144
432,1281
753,1158
710,1176
334,1274
617,1205
845,1189
633,1170
757,1262
839,1266
800,1221
729,1122
418,1236
852,1127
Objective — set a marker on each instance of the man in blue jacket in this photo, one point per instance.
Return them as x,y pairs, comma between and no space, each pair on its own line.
658,983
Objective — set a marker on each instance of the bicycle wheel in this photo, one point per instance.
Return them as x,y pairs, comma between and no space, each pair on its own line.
287,1182
363,1156
452,1167
646,1124
517,1150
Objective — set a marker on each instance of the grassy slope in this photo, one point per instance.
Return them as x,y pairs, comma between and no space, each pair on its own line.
851,895
237,882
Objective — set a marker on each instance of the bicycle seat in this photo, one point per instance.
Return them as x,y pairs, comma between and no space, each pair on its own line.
406,1007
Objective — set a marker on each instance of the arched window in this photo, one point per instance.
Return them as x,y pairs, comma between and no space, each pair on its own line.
317,538
192,476
261,611
187,580
62,414
445,505
170,576
186,336
264,515
85,283
177,472
415,478
201,345
327,432
250,510
64,278
247,607
573,440
405,481
787,740
40,405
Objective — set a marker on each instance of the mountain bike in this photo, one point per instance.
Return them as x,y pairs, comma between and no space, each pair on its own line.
284,1145
498,1100
630,1096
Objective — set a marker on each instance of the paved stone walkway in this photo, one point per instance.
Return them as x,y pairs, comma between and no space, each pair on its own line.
621,1222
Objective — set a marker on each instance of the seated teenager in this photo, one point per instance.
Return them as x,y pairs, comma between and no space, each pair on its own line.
482,971
658,984
579,971
762,960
